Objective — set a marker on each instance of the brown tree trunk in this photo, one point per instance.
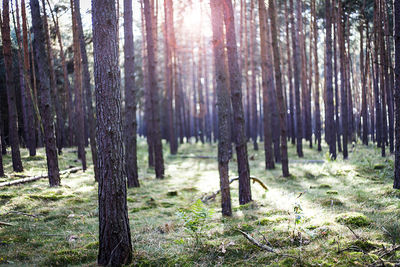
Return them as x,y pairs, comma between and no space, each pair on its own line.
130,127
79,111
87,89
253,101
279,89
396,13
45,105
316,79
11,97
330,122
237,106
364,110
223,105
267,81
30,117
155,108
115,246
296,68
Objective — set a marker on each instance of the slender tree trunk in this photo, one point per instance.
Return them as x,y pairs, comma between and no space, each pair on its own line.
364,110
11,97
396,23
87,89
237,106
155,108
316,79
267,80
44,96
79,111
296,67
30,118
330,122
223,105
130,126
253,101
343,81
335,71
279,89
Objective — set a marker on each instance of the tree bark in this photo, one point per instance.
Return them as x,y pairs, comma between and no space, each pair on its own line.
153,88
237,106
223,104
396,13
279,89
11,97
330,122
115,246
87,89
130,127
267,80
316,79
45,105
253,104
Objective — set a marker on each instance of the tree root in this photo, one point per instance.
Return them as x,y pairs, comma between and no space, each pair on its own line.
213,195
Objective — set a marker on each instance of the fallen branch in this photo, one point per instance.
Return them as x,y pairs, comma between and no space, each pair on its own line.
6,224
213,195
256,243
35,178
21,213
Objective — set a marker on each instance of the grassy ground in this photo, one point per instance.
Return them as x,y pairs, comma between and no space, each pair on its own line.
58,226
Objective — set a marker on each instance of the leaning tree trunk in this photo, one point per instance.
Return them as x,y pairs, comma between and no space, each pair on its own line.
130,126
267,80
223,105
11,97
115,246
155,108
397,93
279,89
330,123
45,105
237,106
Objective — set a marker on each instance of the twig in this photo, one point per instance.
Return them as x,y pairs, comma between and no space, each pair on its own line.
357,236
21,213
35,178
256,243
6,224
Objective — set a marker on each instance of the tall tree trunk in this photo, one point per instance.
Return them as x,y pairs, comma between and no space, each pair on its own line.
267,81
296,68
115,246
316,79
335,71
279,89
223,105
330,122
87,89
253,104
343,81
364,110
79,111
237,106
169,40
290,78
11,97
30,118
44,95
155,108
53,84
396,13
130,126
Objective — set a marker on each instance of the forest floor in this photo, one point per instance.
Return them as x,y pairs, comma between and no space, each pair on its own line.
341,213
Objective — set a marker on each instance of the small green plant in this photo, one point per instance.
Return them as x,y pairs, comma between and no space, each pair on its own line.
194,219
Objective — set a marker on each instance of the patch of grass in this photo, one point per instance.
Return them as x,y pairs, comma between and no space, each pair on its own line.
70,256
353,219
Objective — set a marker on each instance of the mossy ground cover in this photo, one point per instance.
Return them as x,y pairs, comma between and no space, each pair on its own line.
58,226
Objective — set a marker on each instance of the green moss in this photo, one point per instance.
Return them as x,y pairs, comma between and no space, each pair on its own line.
379,166
353,219
92,245
272,220
332,192
48,197
331,202
365,245
35,158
